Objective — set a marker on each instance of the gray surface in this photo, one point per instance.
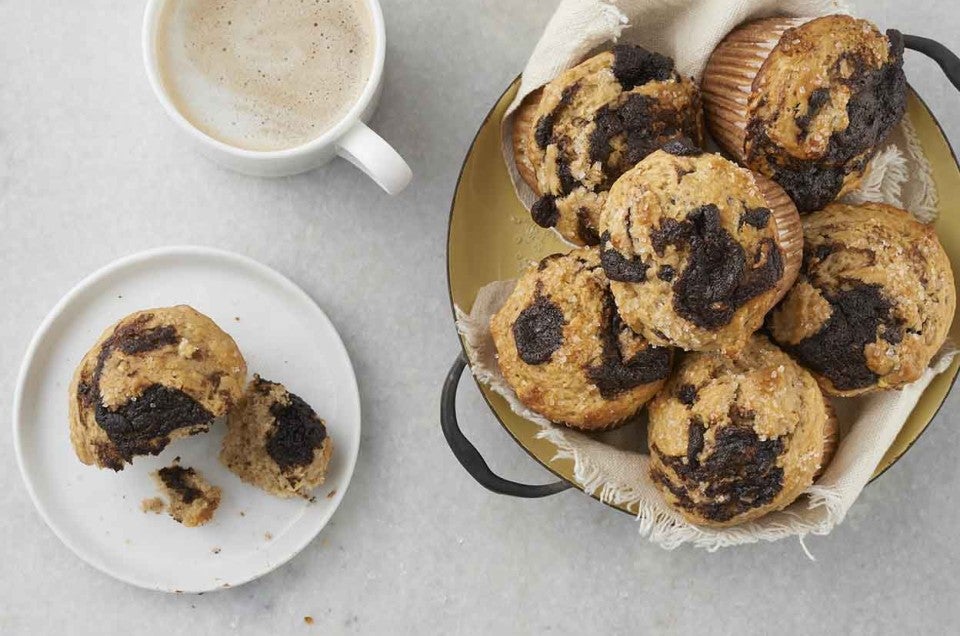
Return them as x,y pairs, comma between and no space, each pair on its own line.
90,170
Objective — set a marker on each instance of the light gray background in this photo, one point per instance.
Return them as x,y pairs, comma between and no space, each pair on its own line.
91,170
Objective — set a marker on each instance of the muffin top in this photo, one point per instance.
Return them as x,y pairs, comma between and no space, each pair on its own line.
595,121
564,350
874,300
151,376
826,97
692,250
734,438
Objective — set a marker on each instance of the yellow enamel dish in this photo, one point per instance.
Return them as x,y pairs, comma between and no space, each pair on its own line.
491,237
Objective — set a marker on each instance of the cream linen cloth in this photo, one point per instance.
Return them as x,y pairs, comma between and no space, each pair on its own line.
614,465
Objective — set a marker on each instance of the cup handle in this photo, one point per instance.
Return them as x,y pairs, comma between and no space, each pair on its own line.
368,151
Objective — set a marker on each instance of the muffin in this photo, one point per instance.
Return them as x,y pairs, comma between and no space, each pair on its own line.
276,441
155,376
732,439
191,499
591,124
564,350
806,102
697,249
874,300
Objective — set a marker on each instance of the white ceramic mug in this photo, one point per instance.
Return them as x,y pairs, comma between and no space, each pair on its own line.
350,138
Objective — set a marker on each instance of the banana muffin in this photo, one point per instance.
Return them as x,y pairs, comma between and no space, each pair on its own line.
276,441
732,439
564,350
806,102
698,249
192,500
155,376
593,122
874,300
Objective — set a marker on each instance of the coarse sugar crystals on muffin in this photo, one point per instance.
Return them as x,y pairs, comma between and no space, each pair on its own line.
564,350
573,138
276,441
697,249
874,301
153,377
733,438
807,102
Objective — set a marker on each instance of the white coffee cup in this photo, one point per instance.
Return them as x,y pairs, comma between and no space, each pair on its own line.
349,138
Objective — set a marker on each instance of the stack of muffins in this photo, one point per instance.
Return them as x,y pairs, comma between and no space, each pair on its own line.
697,288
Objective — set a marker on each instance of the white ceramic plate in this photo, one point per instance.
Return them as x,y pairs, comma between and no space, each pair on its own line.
284,337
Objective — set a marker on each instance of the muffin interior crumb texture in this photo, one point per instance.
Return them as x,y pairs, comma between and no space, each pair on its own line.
276,441
192,499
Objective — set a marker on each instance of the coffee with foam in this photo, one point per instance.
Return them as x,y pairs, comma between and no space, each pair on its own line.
265,74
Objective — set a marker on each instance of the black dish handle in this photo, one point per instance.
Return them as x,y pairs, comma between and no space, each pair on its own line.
468,455
937,52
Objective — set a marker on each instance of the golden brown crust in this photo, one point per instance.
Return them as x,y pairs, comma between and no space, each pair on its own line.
594,122
732,439
806,102
874,301
522,136
153,377
562,347
697,250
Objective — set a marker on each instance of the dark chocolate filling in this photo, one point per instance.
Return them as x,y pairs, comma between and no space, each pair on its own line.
755,217
717,281
669,232
666,273
738,475
687,394
543,133
647,127
634,66
877,103
585,229
296,434
538,330
545,212
143,424
178,479
544,130
619,268
682,147
818,99
614,375
860,313
568,183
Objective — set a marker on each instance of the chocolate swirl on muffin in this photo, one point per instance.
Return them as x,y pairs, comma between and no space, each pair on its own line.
155,376
564,349
574,138
828,94
697,249
874,300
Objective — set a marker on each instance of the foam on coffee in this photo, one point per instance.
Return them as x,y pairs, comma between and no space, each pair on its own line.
265,74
